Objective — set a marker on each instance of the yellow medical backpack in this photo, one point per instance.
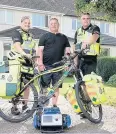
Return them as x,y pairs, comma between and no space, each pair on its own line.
95,88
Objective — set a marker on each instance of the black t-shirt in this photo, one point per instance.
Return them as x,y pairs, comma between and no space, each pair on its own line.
54,47
17,36
94,29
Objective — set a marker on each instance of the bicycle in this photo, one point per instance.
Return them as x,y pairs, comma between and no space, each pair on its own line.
40,100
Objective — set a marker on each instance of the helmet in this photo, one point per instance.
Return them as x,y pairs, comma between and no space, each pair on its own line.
12,55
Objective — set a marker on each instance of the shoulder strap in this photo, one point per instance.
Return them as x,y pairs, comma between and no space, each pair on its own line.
79,30
92,27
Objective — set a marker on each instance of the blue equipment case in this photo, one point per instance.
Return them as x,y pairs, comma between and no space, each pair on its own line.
49,120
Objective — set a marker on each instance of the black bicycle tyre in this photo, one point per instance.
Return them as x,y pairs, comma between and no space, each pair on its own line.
27,115
77,92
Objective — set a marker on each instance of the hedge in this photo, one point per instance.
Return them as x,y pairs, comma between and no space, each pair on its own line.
106,67
112,81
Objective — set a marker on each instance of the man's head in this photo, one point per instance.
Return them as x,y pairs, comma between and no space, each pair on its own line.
25,23
53,25
85,20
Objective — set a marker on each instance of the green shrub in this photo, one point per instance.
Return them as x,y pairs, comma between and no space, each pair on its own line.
106,67
112,81
104,52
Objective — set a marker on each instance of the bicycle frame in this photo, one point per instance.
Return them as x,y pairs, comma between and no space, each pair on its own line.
60,81
56,69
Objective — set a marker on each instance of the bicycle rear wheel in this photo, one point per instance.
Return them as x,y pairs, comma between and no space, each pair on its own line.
6,106
91,111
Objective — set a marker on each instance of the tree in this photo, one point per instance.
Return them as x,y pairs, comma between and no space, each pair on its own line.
106,7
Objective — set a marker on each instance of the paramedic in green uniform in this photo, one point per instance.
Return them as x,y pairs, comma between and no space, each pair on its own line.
87,36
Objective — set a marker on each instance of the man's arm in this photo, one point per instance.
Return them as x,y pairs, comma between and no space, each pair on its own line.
67,50
67,46
17,40
75,41
94,37
18,48
40,53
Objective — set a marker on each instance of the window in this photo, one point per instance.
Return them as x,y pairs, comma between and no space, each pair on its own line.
49,17
6,16
104,27
2,16
105,52
39,20
75,24
7,46
46,21
9,17
107,28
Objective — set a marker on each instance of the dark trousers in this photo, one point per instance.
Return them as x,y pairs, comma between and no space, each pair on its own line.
89,64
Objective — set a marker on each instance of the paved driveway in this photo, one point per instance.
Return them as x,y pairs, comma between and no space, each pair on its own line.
108,124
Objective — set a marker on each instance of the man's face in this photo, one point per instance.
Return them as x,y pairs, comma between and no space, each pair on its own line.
85,20
25,25
53,26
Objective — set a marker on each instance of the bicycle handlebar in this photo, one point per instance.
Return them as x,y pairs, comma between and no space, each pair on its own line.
35,57
31,60
67,58
70,57
58,63
80,52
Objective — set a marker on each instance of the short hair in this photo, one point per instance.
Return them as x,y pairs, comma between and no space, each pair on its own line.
24,18
54,19
85,14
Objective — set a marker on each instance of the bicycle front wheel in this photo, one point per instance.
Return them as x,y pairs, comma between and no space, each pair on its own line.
91,111
16,113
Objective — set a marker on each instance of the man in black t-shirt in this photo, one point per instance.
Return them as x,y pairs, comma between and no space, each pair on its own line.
52,46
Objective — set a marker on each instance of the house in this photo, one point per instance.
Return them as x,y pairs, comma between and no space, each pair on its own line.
40,11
